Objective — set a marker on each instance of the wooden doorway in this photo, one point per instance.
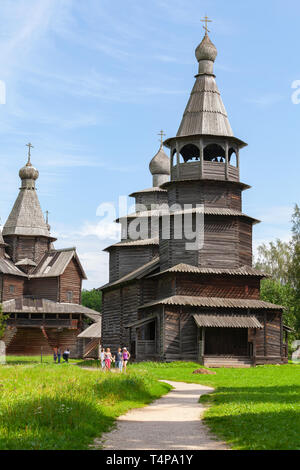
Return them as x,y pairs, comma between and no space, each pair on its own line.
226,341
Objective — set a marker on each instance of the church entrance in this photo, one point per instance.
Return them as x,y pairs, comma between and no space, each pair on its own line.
226,342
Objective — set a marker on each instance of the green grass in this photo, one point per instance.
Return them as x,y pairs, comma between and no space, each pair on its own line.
20,360
51,406
256,408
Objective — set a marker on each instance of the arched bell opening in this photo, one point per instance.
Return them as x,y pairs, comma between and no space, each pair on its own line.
233,157
189,153
214,153
173,159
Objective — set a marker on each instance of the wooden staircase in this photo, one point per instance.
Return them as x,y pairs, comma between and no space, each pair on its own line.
9,335
228,361
90,347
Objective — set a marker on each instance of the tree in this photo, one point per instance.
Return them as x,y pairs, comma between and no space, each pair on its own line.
294,269
276,259
92,299
282,261
3,319
281,294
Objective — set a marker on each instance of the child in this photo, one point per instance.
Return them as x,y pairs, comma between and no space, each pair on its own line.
102,358
119,359
108,359
126,357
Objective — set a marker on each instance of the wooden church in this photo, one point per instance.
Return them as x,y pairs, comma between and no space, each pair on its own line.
167,302
40,287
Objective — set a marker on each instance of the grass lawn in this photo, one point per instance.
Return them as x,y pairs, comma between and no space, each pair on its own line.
256,408
51,406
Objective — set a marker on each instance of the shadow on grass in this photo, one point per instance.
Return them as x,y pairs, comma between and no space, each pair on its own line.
50,423
259,430
264,394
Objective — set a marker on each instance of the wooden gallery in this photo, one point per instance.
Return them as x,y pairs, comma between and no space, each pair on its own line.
40,287
168,302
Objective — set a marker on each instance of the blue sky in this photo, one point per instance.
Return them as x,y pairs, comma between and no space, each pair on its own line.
91,83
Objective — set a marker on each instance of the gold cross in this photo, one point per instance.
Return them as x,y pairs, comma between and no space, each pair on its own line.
30,146
162,134
206,20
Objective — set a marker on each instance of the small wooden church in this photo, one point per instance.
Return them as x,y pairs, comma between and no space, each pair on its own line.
167,302
40,287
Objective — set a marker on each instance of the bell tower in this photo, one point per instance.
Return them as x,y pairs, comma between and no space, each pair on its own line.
205,171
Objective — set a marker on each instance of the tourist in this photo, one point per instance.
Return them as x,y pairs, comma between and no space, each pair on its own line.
66,355
119,359
126,357
102,358
55,354
108,359
58,355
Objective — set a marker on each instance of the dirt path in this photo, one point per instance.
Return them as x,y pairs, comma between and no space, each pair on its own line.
172,422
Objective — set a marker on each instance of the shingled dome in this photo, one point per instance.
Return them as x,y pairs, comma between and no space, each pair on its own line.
206,50
28,172
160,163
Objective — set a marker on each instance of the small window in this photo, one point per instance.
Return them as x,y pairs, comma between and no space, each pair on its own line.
11,289
70,296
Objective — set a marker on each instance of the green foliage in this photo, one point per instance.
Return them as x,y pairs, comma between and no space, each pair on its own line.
295,265
255,408
92,299
282,261
275,259
3,319
281,294
62,406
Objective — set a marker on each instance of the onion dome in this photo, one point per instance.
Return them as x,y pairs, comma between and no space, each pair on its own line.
160,163
160,167
206,50
28,172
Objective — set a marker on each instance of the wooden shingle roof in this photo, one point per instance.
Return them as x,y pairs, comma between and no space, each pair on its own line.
54,263
28,304
8,267
133,243
199,210
26,217
93,331
187,268
138,273
227,321
213,302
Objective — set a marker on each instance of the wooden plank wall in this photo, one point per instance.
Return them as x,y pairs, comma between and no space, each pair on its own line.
47,288
16,282
70,280
180,341
27,247
28,341
201,192
240,287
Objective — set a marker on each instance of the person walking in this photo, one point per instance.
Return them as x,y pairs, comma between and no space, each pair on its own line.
119,360
126,357
102,358
108,359
55,354
58,355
